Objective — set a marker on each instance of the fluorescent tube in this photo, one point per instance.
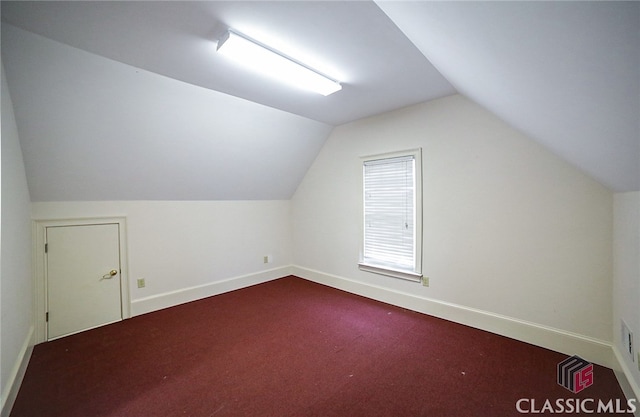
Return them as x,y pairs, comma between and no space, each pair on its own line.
261,58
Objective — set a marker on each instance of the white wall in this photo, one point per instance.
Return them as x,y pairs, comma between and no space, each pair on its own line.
184,248
16,300
626,278
509,228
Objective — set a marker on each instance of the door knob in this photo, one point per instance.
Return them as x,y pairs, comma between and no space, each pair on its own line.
111,274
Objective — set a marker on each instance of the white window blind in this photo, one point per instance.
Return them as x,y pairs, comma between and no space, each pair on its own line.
390,238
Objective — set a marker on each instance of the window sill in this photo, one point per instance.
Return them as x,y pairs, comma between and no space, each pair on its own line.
410,276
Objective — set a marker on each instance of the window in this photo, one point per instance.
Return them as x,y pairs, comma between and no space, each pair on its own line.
392,227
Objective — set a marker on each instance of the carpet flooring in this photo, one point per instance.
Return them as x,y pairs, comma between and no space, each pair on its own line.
291,347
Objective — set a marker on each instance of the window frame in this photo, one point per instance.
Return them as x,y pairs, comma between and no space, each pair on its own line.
416,273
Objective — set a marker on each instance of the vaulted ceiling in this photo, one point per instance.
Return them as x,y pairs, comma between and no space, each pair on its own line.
565,73
128,100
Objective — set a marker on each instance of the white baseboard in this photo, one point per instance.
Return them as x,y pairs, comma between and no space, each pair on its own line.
10,391
185,295
625,378
591,349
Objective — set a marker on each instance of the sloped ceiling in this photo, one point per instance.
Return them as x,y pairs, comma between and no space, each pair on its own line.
351,41
128,100
95,129
565,73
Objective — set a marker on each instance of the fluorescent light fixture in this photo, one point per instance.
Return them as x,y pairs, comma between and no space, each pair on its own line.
273,63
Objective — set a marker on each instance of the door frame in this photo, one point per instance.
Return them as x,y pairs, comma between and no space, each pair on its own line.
39,228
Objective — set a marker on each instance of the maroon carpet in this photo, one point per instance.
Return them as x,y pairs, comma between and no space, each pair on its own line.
292,348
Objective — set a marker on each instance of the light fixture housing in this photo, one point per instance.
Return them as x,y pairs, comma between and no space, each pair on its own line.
260,57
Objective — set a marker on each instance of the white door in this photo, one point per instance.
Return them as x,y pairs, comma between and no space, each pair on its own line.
83,277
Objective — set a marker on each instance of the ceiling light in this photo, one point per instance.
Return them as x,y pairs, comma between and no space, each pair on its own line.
275,64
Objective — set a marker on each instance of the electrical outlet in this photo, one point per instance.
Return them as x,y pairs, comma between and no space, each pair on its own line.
425,281
141,283
266,259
